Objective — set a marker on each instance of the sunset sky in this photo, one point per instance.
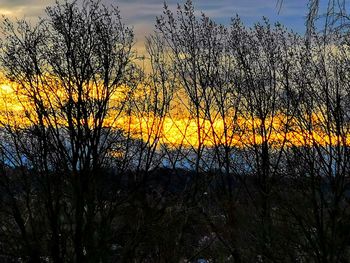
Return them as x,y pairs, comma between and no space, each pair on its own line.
141,14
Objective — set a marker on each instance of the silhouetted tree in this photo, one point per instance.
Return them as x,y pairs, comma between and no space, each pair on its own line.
67,69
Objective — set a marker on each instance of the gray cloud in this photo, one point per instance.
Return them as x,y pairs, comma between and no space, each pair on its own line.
24,8
141,14
16,3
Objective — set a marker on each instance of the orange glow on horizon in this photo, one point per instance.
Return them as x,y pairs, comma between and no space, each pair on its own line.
178,129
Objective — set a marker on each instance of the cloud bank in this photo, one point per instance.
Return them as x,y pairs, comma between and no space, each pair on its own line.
141,14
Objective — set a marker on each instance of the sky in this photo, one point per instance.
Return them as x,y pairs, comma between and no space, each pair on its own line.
141,14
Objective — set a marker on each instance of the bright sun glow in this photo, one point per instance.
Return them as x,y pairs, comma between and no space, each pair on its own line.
177,129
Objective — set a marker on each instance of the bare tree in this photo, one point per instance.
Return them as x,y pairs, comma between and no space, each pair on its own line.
232,143
67,68
321,152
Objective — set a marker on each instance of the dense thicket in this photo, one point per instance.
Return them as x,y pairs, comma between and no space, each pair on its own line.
231,144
